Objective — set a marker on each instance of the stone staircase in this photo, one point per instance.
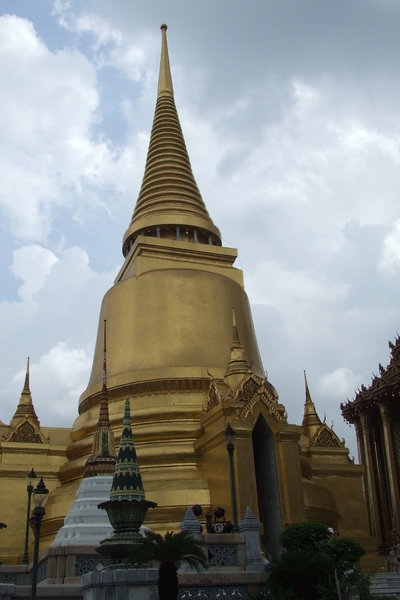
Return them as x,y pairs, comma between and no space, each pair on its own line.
385,584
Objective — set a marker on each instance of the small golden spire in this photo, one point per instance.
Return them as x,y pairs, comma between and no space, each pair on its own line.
25,408
238,366
311,420
103,457
165,87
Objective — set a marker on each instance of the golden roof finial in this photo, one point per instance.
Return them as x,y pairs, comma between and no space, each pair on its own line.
311,420
165,87
236,340
26,384
308,395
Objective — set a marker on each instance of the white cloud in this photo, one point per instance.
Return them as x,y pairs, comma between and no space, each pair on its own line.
49,107
31,264
295,294
390,260
339,384
109,45
57,379
54,323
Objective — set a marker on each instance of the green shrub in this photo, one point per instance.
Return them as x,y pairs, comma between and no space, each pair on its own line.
306,569
300,536
298,573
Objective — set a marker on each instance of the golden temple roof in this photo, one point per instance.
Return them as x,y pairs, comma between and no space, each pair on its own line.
169,196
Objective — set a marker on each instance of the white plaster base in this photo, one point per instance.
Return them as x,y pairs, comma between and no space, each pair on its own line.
85,524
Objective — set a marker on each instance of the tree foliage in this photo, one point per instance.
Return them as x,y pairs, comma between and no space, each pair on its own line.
343,552
299,536
311,561
170,551
299,572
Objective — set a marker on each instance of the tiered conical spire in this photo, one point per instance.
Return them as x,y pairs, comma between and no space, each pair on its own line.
311,420
103,457
25,408
127,482
169,203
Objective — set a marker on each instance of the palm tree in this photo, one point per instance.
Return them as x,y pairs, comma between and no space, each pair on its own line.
170,551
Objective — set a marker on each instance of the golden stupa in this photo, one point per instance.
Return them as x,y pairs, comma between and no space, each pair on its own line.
181,344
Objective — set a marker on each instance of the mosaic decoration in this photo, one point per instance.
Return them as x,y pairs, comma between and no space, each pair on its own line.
9,578
86,564
127,482
222,555
127,506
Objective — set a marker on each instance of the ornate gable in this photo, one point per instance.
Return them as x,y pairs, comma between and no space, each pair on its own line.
214,397
244,397
325,437
26,432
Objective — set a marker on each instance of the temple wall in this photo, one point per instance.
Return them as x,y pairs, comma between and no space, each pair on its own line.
16,460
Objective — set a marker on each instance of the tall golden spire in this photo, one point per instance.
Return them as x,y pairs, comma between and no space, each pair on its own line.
169,202
311,421
25,408
103,457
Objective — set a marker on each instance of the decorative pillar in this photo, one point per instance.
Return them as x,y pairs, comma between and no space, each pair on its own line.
360,443
383,503
385,410
250,527
190,523
370,483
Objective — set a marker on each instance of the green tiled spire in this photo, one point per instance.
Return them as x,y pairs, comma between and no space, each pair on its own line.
127,482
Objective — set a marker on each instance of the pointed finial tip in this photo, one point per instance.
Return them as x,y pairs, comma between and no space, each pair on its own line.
164,27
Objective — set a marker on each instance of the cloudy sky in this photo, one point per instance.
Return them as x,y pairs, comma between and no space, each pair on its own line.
290,110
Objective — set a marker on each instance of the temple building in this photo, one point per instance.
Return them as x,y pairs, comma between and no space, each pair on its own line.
182,346
375,413
24,444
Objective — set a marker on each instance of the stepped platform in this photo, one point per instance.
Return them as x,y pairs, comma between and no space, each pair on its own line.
385,584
